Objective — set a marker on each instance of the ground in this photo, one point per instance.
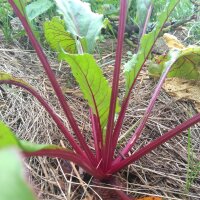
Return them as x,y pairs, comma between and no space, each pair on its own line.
161,173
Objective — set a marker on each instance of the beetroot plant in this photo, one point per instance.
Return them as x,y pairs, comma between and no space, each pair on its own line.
107,111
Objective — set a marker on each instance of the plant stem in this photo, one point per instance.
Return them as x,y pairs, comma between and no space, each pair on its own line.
54,82
154,144
97,136
120,192
108,142
143,121
188,182
64,154
127,97
149,11
123,196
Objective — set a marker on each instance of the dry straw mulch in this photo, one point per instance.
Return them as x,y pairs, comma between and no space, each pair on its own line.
162,172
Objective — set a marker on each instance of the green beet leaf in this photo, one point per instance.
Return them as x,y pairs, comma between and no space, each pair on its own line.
8,77
13,184
31,147
81,21
133,67
92,83
187,65
57,36
8,139
37,8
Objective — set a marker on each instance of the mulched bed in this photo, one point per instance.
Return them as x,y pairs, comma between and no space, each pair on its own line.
162,172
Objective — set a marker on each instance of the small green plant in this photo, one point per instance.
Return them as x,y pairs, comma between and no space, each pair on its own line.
80,27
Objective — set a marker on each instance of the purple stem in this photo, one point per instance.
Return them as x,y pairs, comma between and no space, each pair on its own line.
54,116
154,144
122,195
97,136
125,104
108,142
142,124
63,154
53,81
119,192
147,19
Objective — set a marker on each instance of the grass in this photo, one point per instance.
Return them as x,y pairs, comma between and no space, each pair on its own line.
193,167
5,17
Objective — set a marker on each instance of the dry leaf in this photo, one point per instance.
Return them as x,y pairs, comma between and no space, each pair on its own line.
150,198
184,89
172,42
